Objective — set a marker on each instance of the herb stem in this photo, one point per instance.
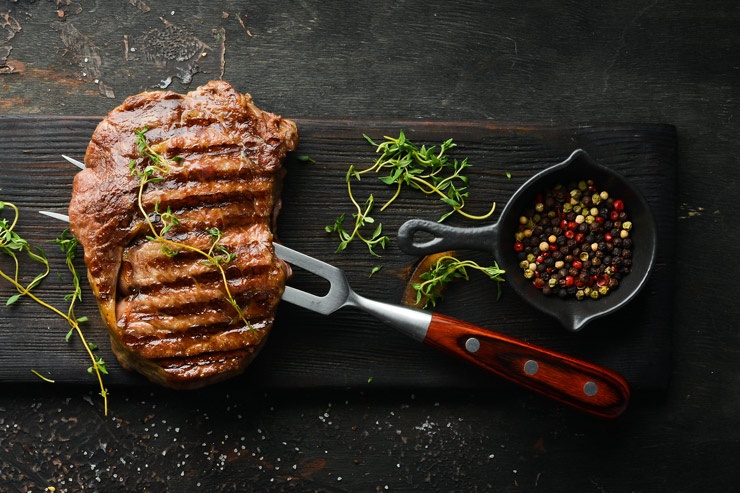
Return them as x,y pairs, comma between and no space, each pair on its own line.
161,164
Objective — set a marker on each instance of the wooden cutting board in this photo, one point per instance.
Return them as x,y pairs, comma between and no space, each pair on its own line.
307,350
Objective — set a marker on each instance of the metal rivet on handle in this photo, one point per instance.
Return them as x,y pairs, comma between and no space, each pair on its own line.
531,367
590,389
472,345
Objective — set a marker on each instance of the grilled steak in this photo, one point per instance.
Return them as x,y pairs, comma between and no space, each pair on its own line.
169,317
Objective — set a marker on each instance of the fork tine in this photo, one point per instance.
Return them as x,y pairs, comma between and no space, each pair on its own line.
339,290
74,161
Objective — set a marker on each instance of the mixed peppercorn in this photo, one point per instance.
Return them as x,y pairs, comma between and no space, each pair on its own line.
575,241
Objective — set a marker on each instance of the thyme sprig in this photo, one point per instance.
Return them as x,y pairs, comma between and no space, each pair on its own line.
445,270
154,172
422,168
12,244
362,217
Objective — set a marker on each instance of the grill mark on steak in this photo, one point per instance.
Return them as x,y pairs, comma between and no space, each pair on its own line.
168,316
189,343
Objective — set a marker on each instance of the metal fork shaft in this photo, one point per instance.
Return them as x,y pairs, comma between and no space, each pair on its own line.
410,321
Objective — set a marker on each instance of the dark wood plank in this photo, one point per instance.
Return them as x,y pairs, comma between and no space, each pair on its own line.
347,348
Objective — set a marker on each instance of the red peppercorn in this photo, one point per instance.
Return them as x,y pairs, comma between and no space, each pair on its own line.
569,281
592,280
603,280
580,238
570,234
563,224
553,247
518,246
577,264
538,283
600,219
572,225
540,259
608,237
619,205
580,284
614,215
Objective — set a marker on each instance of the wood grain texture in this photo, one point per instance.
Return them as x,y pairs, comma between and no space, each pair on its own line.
308,350
503,61
584,386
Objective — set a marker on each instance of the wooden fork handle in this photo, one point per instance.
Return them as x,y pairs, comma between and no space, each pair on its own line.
582,385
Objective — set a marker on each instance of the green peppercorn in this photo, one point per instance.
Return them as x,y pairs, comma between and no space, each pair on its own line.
590,220
531,257
552,282
582,185
580,295
529,273
583,256
603,290
524,265
567,207
596,199
627,225
594,294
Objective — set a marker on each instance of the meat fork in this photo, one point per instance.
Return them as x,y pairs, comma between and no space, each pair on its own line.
582,385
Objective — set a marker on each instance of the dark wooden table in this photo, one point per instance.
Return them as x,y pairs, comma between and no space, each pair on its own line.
552,63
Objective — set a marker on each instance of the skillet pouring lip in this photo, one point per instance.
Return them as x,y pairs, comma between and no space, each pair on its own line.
574,314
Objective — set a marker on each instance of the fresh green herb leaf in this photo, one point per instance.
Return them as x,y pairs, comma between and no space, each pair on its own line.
305,159
375,270
445,270
13,299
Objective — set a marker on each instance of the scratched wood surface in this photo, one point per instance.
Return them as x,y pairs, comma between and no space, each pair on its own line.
347,348
503,61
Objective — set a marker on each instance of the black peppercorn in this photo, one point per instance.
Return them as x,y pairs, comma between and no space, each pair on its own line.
572,236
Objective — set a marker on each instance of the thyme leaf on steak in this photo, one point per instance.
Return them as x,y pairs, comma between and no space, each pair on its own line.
12,244
156,168
445,270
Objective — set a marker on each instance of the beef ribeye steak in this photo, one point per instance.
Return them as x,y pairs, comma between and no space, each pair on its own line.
169,316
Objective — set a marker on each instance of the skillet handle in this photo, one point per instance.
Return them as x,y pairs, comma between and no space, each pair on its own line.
445,237
582,385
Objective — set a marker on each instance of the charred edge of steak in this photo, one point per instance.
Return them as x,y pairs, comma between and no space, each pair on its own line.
178,329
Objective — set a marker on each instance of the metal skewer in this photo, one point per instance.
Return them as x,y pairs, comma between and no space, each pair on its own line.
74,161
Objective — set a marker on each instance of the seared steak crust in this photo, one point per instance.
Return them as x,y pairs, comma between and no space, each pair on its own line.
169,317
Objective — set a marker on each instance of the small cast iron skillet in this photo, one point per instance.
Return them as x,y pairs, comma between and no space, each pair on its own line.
498,239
